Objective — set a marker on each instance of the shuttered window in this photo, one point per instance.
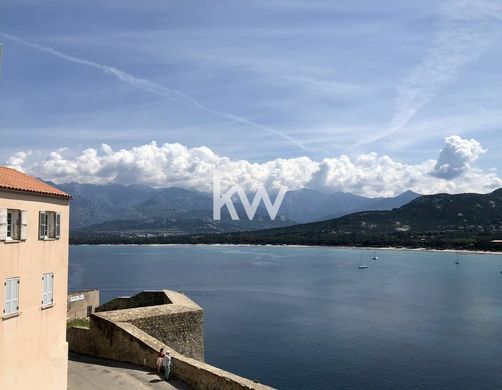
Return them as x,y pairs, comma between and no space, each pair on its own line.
48,289
11,296
49,225
13,224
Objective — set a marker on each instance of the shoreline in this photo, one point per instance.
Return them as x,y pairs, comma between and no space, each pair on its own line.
312,246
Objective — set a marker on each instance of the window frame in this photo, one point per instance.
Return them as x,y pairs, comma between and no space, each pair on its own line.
49,225
13,225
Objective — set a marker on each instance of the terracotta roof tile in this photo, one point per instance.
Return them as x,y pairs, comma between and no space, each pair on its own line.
13,180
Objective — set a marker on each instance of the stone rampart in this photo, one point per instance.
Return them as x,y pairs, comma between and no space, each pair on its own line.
142,299
134,335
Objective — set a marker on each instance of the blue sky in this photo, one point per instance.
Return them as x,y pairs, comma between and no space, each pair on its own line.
252,80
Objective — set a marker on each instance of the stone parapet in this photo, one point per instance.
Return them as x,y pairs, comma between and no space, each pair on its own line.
136,334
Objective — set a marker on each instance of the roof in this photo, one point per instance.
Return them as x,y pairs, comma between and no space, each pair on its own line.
13,180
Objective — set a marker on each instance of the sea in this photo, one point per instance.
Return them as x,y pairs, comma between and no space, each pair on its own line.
309,318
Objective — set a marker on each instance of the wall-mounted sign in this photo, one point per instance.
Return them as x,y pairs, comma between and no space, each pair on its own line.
76,298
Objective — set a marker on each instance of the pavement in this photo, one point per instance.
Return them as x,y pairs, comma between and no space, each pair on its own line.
90,373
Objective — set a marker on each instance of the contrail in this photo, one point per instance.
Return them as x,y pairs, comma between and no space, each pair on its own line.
154,88
465,34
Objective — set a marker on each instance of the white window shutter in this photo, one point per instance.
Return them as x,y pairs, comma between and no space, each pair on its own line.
50,297
7,297
3,224
11,299
42,225
15,300
24,225
10,288
44,290
58,225
47,289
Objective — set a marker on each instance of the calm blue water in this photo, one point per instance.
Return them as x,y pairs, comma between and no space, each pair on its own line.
307,318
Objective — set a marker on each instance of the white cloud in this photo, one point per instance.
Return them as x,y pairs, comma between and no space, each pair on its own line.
171,165
167,165
17,160
456,157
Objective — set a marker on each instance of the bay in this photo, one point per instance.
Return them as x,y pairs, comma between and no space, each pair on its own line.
308,318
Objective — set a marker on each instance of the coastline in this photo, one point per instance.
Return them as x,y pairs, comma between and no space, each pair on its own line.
312,246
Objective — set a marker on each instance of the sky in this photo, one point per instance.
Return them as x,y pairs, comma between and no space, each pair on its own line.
368,97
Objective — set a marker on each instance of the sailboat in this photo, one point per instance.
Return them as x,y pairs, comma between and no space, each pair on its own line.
361,263
457,261
375,257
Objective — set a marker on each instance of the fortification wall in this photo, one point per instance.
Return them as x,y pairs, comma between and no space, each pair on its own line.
127,343
136,331
183,332
143,299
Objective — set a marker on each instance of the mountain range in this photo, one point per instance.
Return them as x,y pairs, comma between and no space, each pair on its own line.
173,211
462,221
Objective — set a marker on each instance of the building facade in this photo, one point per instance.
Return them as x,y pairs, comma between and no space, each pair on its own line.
82,303
34,229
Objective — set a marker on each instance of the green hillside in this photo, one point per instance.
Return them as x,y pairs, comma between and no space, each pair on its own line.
466,221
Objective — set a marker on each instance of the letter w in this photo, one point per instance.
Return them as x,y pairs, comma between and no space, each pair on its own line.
260,195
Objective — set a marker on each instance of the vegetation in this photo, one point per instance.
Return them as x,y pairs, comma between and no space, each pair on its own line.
171,211
81,322
464,221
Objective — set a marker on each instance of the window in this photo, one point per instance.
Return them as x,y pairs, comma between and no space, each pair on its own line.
13,225
11,297
49,225
48,290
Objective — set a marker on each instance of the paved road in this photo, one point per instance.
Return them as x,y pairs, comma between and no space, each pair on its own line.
89,373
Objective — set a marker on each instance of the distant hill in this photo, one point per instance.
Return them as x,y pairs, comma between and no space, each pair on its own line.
105,207
182,223
463,221
308,205
439,213
426,221
92,204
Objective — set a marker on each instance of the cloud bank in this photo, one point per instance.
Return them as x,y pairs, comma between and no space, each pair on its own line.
175,165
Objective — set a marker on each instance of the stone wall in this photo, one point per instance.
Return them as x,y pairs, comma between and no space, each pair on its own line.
142,299
127,343
88,301
183,332
107,340
178,322
136,334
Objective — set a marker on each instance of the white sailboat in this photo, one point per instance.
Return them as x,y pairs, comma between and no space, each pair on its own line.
375,257
361,263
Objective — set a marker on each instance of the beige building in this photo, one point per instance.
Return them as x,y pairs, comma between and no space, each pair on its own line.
34,219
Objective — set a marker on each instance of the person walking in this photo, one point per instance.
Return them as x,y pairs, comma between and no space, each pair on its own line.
167,365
